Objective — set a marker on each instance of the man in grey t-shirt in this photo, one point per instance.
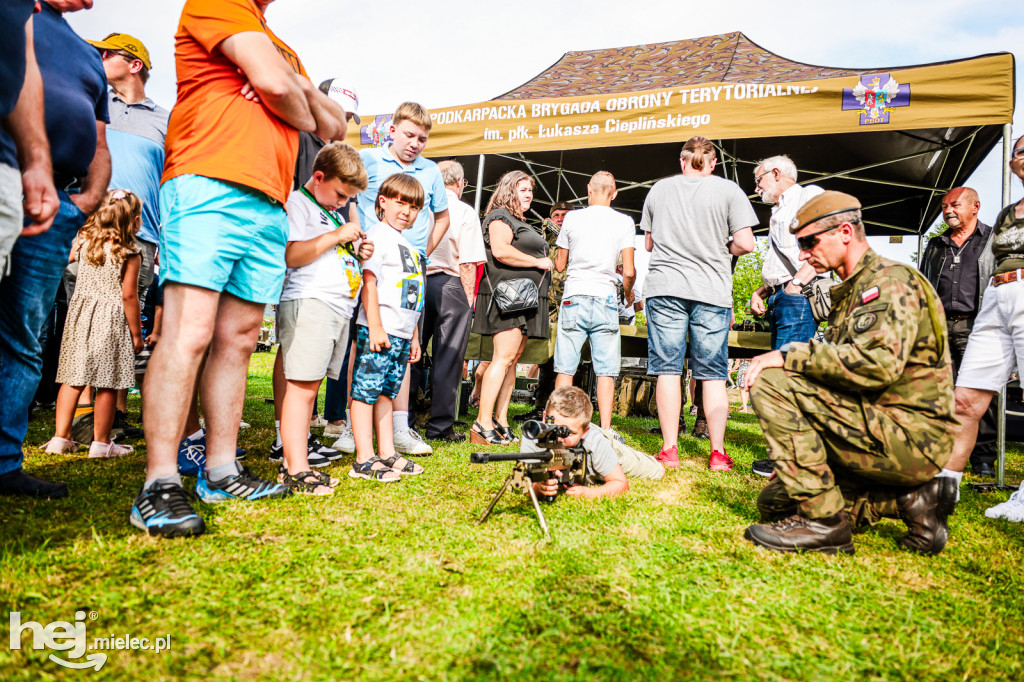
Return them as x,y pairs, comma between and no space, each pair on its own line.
695,222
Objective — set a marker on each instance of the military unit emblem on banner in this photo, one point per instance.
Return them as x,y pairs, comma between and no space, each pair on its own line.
377,133
876,96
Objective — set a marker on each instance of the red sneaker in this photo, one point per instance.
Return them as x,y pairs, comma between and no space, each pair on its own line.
669,458
720,461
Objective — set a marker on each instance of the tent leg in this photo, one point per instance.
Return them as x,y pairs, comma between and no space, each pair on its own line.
479,184
1001,405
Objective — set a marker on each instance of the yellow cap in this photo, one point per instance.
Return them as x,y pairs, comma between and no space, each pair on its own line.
822,206
124,43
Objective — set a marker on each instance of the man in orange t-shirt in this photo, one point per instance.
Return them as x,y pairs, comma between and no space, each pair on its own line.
231,145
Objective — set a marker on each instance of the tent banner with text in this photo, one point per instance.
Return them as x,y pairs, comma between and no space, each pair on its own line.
971,92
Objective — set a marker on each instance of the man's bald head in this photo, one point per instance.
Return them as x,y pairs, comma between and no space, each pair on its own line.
960,209
601,189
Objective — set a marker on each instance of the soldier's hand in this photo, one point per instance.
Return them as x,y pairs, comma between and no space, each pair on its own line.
765,361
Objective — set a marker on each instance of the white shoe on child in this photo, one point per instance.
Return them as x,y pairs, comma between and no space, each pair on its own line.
347,442
1011,510
106,450
408,442
58,446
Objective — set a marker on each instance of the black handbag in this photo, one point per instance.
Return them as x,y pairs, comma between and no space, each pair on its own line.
518,295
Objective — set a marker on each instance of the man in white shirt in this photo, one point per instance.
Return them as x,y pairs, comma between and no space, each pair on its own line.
789,312
590,243
451,279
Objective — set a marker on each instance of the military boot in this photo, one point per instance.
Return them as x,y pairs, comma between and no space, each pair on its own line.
925,509
700,429
797,533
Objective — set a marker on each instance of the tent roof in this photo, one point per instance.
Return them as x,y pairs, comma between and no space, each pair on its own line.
725,58
896,137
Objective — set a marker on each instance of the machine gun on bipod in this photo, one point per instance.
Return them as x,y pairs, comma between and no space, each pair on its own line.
567,465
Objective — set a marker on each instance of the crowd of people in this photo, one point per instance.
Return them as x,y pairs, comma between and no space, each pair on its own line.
245,195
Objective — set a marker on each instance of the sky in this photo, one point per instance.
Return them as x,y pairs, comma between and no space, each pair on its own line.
459,52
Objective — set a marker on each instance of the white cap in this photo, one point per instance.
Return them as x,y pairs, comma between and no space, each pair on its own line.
346,97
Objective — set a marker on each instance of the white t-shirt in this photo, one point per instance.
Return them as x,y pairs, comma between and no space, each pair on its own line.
398,267
336,276
462,243
594,236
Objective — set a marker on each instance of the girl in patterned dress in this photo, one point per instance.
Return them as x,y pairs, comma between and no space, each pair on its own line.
103,331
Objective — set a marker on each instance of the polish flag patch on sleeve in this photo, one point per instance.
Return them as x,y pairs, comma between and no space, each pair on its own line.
869,295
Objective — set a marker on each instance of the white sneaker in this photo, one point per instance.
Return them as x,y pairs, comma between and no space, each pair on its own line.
105,450
347,443
1011,510
408,442
335,429
244,424
318,423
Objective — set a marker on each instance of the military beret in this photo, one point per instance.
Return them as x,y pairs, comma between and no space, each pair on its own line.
822,206
560,206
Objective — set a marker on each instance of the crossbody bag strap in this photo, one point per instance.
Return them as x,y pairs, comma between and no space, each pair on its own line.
783,257
330,216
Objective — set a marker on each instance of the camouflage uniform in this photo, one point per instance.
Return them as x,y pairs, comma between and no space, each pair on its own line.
852,423
557,278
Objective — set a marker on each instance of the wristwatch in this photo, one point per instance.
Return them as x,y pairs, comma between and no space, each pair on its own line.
796,282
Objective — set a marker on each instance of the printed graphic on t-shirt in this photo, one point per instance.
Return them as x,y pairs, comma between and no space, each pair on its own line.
415,268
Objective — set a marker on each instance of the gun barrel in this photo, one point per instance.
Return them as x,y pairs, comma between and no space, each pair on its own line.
485,457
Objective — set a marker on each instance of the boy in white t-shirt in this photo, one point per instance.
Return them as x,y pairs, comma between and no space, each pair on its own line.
319,296
591,242
387,336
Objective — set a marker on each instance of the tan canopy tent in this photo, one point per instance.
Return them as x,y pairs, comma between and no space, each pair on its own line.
897,137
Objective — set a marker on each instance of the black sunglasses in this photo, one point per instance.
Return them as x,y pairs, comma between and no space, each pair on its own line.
809,241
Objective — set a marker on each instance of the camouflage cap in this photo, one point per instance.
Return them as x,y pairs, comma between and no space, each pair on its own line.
560,206
822,206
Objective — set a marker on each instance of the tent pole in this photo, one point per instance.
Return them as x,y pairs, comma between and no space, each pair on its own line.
1001,404
479,184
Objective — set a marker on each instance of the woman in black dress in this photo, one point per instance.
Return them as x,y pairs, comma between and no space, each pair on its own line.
515,249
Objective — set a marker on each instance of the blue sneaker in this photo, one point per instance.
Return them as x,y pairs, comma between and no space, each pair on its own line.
241,486
165,510
192,456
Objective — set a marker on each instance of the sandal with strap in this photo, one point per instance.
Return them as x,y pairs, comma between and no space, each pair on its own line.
307,482
329,481
506,433
478,435
366,471
410,468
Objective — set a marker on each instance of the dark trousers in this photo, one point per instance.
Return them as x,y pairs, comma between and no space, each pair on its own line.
985,448
447,316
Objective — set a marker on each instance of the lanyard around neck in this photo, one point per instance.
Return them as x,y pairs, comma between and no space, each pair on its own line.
330,215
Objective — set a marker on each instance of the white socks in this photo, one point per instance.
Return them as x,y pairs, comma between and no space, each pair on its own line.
197,435
277,427
400,420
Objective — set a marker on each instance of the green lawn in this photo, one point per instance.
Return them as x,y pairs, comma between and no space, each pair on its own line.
398,582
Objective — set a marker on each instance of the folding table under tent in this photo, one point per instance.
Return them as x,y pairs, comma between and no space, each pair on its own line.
898,138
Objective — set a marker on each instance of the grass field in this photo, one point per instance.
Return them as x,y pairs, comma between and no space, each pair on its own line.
395,582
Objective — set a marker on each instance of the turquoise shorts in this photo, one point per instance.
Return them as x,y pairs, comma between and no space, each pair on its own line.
222,236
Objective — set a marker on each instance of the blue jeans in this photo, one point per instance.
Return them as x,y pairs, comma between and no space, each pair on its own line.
594,318
790,318
672,323
37,264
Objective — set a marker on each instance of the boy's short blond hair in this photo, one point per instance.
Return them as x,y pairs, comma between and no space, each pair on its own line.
411,111
341,161
401,186
570,402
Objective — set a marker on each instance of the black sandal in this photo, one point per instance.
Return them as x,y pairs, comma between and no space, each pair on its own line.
478,435
307,482
367,472
410,468
507,433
